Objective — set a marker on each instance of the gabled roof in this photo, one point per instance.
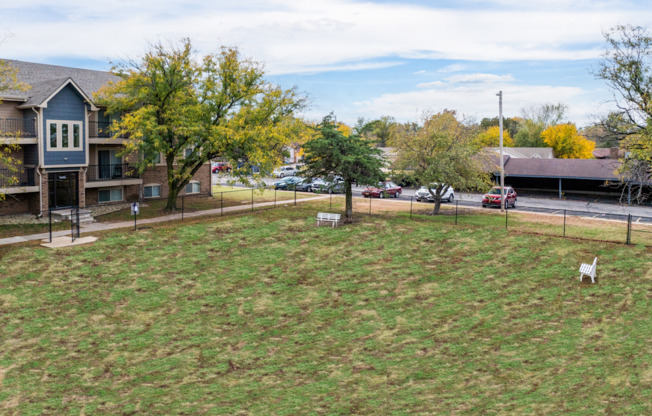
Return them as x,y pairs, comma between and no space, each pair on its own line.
47,80
526,152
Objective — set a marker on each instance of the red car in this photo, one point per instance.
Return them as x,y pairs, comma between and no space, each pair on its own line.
384,189
492,198
221,167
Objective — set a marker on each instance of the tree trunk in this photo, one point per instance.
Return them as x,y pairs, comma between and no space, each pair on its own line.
172,198
437,197
435,209
348,213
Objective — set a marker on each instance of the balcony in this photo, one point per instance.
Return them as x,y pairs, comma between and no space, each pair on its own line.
99,129
17,127
98,173
21,177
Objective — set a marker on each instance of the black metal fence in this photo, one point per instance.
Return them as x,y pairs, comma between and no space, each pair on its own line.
110,172
586,225
99,129
17,127
20,177
626,229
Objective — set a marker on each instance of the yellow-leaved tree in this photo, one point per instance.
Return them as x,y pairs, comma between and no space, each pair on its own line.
567,143
491,138
193,112
9,163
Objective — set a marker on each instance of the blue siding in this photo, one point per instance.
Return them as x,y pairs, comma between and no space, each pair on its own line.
67,105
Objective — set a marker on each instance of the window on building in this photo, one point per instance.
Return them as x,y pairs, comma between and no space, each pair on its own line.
152,191
110,195
189,151
64,135
76,142
53,135
193,187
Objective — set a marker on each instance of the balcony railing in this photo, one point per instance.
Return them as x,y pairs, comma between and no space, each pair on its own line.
17,127
99,129
21,177
111,172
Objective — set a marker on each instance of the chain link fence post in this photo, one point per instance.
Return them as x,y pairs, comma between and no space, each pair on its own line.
564,224
411,198
222,204
506,218
456,203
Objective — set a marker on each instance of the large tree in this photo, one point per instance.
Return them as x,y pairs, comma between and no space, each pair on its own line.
8,138
626,67
333,153
442,152
537,118
379,130
567,143
491,137
192,112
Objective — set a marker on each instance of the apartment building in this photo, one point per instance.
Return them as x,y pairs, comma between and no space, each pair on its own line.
68,155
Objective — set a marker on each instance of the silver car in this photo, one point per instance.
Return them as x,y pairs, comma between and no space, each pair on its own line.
423,194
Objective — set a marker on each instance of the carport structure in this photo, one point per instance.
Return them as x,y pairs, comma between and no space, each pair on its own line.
581,177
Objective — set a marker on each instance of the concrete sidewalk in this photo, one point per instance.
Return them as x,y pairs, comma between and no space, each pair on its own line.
98,226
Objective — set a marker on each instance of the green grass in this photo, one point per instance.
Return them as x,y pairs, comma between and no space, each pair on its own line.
12,230
266,314
222,197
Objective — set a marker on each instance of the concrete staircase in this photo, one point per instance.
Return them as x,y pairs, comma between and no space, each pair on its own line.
63,215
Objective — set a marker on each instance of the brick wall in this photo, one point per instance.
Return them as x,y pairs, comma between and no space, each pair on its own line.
14,204
158,175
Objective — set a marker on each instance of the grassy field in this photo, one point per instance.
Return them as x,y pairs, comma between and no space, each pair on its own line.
266,314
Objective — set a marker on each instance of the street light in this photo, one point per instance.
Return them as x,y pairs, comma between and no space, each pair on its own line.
502,164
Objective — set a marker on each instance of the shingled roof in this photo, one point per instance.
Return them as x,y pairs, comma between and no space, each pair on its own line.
44,80
600,169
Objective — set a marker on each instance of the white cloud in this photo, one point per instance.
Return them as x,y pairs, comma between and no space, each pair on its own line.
292,37
479,78
453,68
479,101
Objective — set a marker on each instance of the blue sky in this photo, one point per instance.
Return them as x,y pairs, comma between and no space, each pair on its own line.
356,58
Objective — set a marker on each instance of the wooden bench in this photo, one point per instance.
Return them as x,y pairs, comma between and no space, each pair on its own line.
589,270
334,219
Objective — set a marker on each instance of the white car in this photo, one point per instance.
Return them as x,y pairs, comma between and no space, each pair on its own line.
284,171
423,194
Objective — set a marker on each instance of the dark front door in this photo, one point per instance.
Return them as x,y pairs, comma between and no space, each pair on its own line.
63,189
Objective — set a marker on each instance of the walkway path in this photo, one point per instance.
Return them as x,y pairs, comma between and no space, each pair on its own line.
99,226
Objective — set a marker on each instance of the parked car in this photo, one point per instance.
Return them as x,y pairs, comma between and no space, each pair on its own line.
305,185
288,183
493,197
383,190
327,186
423,194
284,171
221,167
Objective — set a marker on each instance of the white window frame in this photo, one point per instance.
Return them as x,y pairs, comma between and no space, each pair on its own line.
122,194
71,141
152,185
192,183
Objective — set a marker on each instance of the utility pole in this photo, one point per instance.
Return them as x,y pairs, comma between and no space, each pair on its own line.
502,163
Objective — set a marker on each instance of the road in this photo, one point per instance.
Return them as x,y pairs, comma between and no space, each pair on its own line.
588,209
